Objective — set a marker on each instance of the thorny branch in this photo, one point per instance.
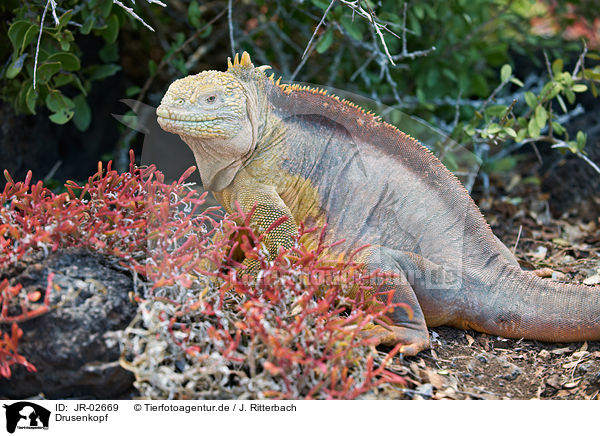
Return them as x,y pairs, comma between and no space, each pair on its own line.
378,27
405,53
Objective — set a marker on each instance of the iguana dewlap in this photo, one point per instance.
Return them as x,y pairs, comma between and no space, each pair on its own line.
298,152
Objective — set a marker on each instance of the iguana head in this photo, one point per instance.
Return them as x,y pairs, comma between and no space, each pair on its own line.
217,114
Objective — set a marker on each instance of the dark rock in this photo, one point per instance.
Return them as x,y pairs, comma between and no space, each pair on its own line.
75,345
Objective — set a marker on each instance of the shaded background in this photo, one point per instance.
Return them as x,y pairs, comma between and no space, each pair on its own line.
438,61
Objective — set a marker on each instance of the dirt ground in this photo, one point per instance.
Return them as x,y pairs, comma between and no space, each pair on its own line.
471,365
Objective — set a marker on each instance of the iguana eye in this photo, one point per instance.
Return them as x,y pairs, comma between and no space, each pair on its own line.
179,101
211,99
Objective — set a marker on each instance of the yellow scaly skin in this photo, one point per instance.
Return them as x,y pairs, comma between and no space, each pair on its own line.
296,152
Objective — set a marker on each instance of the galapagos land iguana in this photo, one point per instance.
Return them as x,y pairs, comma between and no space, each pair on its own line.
298,152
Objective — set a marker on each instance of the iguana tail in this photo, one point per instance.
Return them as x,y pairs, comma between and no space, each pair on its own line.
522,305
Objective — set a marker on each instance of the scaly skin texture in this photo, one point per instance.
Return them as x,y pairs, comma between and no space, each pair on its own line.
300,153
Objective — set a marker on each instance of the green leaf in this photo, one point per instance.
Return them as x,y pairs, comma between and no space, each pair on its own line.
449,74
30,99
521,135
152,67
320,4
29,36
179,64
112,29
503,165
62,79
46,71
558,128
419,11
56,101
415,25
132,91
430,11
480,85
98,72
64,19
570,95
511,132
530,99
61,106
64,42
556,88
541,116
207,32
546,90
20,103
517,82
194,14
566,78
16,33
497,110
68,61
579,87
591,74
109,53
105,6
83,113
15,66
325,42
572,146
505,72
493,128
352,27
557,66
581,139
80,86
533,129
62,117
87,25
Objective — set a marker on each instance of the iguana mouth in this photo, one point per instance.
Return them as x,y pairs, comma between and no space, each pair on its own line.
183,117
189,124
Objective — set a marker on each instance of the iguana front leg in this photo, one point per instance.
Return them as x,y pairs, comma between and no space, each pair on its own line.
268,209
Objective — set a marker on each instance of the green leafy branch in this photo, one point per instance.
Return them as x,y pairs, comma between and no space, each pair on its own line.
535,119
45,68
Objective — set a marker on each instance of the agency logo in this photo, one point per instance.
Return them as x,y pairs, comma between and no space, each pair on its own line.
26,415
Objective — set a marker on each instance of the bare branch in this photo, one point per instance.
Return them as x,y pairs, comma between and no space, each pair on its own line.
37,48
53,4
317,28
230,23
493,94
405,53
548,67
133,14
579,64
589,161
563,144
